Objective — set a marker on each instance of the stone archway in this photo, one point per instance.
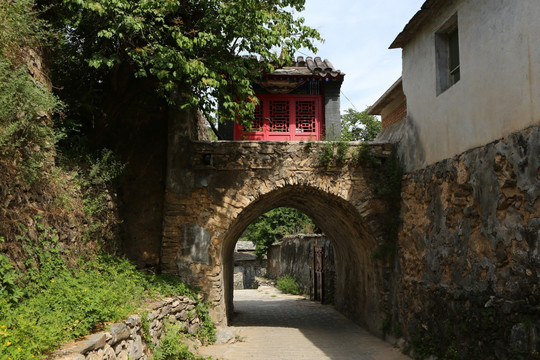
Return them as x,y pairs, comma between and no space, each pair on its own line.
358,278
215,189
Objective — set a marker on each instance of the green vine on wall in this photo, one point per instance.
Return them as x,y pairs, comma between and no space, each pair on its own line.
386,179
333,152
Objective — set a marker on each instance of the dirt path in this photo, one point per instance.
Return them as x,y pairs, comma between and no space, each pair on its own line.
272,325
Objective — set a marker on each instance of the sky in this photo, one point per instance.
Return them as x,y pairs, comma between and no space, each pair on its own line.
357,35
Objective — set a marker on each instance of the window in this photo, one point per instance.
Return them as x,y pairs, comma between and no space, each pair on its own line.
285,118
447,53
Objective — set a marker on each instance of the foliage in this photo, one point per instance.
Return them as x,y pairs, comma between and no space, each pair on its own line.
104,168
387,180
171,347
26,137
359,126
9,291
207,331
326,154
96,176
197,52
393,328
288,285
341,153
52,302
333,152
270,228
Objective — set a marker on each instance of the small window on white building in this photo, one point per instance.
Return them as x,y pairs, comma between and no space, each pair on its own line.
447,53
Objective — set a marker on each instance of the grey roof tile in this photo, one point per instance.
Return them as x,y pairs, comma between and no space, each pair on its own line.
310,67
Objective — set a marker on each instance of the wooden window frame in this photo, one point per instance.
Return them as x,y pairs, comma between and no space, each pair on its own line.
448,62
293,134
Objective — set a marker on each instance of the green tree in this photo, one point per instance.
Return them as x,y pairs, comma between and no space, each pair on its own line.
270,228
196,53
359,126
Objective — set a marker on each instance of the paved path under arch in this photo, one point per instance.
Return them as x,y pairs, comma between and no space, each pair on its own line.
275,326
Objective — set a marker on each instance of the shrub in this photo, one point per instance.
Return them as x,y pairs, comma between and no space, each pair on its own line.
171,347
52,303
26,135
288,285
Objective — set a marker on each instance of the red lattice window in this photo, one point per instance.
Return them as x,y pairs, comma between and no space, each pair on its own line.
279,116
305,116
285,118
257,123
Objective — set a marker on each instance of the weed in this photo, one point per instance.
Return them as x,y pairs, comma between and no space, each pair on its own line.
288,285
397,330
308,145
387,324
451,353
170,345
207,331
342,149
387,176
326,155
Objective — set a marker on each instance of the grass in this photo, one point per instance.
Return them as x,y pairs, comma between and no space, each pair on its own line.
52,303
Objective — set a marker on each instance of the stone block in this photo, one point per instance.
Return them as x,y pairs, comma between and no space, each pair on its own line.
108,354
136,350
519,338
89,343
119,332
123,355
193,328
93,356
133,320
74,356
183,315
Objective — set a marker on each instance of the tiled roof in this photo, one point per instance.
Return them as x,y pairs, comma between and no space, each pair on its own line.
245,246
244,257
310,66
425,13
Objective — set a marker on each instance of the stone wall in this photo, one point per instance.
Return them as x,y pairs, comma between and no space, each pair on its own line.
294,257
246,271
273,261
126,340
214,190
469,251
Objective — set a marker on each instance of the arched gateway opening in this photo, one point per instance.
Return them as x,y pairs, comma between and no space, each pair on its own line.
358,284
215,193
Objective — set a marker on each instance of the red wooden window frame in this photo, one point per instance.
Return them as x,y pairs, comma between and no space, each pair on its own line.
285,124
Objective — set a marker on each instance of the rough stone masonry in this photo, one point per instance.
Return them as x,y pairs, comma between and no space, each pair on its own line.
469,249
216,189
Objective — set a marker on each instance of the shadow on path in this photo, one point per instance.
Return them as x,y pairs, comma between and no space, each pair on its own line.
277,326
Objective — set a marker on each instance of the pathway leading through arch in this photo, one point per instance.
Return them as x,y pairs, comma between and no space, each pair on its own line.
275,326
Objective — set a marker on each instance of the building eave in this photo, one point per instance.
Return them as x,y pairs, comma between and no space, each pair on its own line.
417,22
394,91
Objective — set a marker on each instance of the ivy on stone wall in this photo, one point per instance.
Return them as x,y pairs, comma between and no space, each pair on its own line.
386,180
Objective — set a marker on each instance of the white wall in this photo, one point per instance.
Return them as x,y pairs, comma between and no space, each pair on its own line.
499,90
